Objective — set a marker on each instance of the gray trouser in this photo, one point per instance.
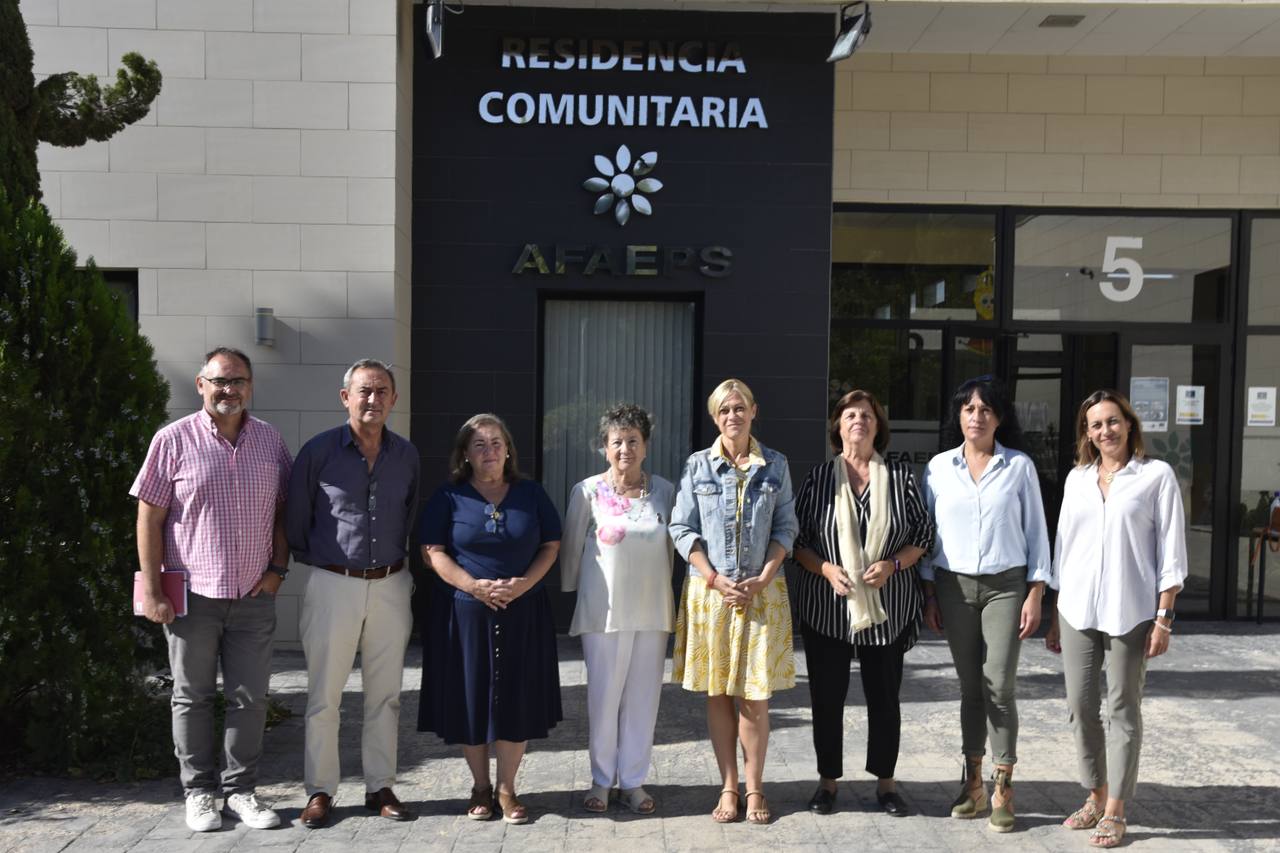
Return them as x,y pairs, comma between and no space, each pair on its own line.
1114,764
238,633
980,614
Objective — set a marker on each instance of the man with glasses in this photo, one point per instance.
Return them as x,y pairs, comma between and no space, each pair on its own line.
210,502
352,498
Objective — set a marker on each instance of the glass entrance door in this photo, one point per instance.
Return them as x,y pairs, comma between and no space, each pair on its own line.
1048,376
1178,392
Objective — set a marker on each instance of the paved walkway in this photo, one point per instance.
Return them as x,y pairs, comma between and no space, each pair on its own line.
1209,778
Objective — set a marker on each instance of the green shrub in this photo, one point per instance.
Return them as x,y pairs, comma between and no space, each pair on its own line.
80,398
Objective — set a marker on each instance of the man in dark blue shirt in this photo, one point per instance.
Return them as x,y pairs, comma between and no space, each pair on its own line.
352,497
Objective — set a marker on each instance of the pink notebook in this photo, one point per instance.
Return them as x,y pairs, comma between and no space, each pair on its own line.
173,583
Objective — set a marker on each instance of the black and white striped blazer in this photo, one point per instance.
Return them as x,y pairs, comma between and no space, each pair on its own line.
909,524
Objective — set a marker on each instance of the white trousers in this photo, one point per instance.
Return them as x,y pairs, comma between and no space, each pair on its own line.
624,684
342,615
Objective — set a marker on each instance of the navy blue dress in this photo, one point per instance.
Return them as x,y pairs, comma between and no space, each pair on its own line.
489,674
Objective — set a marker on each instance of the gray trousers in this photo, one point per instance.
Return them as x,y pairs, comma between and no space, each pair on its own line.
236,632
980,614
1110,761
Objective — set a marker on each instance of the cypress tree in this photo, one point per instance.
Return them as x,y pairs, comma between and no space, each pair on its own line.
80,397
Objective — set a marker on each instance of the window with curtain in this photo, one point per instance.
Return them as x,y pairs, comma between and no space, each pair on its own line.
600,352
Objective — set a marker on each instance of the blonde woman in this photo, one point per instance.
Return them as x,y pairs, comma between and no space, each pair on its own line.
734,522
1120,560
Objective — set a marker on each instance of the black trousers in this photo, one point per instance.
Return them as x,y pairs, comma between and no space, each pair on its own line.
881,670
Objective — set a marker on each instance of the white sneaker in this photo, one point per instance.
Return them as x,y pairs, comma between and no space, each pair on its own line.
252,813
202,813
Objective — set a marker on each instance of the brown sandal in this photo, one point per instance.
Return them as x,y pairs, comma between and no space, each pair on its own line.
513,811
481,805
760,816
722,815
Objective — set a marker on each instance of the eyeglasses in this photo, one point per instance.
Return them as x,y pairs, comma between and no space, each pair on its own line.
373,496
494,523
222,383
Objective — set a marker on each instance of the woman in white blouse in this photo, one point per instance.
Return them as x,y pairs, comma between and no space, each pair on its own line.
1120,560
616,553
984,580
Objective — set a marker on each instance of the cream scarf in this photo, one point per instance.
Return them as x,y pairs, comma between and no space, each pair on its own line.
864,604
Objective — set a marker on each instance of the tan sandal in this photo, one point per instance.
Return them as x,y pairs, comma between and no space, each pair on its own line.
760,816
513,811
721,815
638,800
481,805
1085,817
1109,832
597,799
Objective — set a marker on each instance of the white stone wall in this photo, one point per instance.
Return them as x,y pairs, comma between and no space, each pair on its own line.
267,174
1058,130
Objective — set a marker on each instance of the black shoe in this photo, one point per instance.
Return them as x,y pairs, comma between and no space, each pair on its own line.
892,804
822,801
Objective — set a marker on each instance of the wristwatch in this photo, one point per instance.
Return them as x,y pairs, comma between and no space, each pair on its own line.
278,570
1162,613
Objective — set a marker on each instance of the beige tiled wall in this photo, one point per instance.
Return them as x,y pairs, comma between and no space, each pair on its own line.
272,171
1061,130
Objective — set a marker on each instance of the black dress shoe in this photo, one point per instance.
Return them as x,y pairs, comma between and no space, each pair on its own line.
892,804
384,802
822,801
316,814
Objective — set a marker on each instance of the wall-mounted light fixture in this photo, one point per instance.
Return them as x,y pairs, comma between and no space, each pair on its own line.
265,327
435,27
854,26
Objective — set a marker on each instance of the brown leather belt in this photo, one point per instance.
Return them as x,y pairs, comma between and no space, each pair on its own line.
367,574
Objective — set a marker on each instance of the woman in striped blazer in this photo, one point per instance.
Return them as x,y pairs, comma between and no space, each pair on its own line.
863,526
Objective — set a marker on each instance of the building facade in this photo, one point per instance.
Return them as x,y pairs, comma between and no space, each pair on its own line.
1068,197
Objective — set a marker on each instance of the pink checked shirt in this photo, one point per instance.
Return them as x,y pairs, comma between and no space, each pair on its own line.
222,500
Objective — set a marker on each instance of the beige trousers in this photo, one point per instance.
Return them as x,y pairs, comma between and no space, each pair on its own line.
1108,755
340,616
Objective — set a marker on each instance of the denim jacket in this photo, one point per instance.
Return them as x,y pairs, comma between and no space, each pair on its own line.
706,512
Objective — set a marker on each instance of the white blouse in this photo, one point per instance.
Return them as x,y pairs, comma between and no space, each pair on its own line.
617,554
1113,558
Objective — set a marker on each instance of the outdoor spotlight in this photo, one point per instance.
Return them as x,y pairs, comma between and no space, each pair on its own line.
265,327
854,27
435,27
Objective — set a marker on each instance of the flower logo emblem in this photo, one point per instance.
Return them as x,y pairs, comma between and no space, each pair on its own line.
623,184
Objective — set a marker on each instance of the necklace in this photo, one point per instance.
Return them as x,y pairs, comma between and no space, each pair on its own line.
620,488
1108,476
615,501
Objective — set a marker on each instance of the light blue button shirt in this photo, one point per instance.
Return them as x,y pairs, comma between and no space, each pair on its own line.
989,526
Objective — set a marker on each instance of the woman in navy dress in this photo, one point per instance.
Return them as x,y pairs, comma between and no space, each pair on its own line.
490,670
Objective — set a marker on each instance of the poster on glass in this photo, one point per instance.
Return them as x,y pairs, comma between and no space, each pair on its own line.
1150,398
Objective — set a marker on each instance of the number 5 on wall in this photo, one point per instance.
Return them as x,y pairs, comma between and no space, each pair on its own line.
1111,264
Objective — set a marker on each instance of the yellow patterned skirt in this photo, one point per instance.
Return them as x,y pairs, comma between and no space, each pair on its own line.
724,651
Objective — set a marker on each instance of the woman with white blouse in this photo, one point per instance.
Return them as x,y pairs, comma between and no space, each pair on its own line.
617,554
984,581
1120,560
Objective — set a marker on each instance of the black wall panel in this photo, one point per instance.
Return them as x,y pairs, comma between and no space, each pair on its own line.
482,191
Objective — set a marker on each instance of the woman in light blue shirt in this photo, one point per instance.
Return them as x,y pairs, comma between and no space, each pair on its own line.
984,581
